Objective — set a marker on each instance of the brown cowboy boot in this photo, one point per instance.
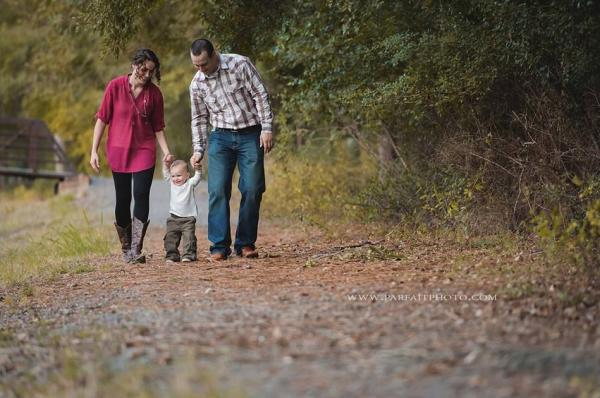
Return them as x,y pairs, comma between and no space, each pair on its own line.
138,231
125,239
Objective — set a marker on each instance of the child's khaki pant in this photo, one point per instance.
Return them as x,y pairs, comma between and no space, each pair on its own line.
178,228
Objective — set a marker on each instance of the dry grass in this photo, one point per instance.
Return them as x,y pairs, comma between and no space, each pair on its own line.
99,376
43,237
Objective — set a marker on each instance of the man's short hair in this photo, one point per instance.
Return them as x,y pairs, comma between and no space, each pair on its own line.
201,45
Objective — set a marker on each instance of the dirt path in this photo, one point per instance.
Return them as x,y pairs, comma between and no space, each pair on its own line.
292,324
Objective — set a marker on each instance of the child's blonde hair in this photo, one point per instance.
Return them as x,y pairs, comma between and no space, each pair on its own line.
178,163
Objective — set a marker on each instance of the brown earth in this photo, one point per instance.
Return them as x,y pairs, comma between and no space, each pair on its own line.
291,324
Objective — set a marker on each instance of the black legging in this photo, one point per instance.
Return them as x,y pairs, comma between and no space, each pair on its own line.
142,181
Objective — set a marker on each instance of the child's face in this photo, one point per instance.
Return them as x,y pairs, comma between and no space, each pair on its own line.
179,175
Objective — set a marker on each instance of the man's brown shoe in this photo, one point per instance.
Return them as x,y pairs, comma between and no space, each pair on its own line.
249,252
218,256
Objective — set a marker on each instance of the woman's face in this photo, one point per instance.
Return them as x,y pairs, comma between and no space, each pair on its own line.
143,72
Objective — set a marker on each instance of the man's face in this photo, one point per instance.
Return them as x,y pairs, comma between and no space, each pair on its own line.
204,63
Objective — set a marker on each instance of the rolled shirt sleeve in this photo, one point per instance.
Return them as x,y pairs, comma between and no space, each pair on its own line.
106,106
200,120
257,89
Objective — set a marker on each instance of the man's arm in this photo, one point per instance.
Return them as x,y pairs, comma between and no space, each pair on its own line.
256,87
200,120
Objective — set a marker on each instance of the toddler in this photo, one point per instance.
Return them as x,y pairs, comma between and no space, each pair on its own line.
183,212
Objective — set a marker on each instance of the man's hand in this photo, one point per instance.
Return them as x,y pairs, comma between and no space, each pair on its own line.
266,141
196,159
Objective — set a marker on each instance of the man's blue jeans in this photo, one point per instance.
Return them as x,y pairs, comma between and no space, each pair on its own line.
226,148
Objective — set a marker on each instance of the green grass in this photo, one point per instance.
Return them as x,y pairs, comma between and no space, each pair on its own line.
43,238
7,338
81,375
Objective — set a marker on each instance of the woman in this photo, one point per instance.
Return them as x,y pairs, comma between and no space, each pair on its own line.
132,107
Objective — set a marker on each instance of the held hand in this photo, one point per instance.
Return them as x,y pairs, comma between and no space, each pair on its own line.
95,162
266,141
168,159
196,159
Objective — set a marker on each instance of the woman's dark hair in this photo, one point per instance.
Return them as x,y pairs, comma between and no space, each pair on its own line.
200,45
142,55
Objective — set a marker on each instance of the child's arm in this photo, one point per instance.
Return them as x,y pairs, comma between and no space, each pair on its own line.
166,173
195,180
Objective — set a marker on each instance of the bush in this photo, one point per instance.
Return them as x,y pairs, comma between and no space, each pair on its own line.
573,234
431,197
317,190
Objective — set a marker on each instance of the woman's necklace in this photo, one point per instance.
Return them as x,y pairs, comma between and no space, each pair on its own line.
143,114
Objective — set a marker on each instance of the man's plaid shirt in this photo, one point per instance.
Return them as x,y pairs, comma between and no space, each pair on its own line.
233,97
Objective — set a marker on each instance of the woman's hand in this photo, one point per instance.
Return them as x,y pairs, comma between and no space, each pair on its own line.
168,159
98,131
95,162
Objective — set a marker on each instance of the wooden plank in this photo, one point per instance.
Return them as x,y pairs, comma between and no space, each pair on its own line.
23,172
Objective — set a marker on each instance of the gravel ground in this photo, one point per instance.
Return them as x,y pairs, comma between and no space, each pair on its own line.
290,324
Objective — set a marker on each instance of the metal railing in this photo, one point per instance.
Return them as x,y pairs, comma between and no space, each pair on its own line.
29,149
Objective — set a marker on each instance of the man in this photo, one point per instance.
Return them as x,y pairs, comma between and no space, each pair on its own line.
228,93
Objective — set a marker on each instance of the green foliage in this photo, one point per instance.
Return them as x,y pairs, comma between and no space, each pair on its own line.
434,197
574,235
450,197
413,68
115,20
342,59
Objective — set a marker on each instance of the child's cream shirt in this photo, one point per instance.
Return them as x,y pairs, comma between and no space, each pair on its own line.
183,203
